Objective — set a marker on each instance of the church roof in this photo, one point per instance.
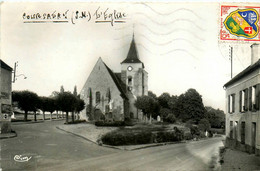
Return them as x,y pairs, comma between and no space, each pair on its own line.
117,81
132,56
5,66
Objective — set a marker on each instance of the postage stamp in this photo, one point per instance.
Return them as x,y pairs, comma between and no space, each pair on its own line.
240,23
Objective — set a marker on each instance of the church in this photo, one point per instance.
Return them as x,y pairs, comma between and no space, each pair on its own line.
111,95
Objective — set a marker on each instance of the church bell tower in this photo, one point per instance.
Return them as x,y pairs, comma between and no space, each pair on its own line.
134,77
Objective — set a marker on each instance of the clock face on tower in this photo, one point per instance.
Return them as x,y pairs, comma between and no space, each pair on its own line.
129,68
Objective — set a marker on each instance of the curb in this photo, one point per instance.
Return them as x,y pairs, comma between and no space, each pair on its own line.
76,135
32,122
22,122
13,134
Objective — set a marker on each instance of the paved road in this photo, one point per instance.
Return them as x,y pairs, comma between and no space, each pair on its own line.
47,145
52,149
197,155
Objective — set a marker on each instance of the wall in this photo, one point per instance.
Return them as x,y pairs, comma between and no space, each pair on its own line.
6,100
100,80
139,85
248,116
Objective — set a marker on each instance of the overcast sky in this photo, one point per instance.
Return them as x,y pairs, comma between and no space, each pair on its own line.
177,42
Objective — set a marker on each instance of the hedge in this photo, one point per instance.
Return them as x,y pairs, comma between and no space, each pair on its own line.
117,138
115,123
76,122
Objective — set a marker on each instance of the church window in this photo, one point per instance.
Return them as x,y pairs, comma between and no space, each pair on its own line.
108,95
107,109
97,97
130,80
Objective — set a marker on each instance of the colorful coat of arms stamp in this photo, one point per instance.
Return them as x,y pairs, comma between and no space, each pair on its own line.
240,23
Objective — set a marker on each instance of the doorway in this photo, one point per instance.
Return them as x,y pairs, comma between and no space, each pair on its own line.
253,136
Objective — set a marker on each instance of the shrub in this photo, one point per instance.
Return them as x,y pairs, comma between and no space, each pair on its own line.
218,131
194,130
170,118
142,137
124,138
115,123
167,137
77,122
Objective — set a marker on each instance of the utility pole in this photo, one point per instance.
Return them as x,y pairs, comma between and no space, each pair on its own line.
15,65
14,72
231,59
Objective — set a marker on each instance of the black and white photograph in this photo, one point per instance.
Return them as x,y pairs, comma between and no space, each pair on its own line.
129,86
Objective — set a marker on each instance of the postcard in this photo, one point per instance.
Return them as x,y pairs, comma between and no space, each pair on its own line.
129,85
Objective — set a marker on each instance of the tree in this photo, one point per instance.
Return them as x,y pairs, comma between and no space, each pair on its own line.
151,94
80,105
172,103
75,93
67,103
54,96
190,106
61,89
164,99
164,112
51,105
146,104
204,125
27,101
43,105
156,110
216,117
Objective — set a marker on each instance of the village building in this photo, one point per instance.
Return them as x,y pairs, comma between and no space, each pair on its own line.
243,107
111,95
5,97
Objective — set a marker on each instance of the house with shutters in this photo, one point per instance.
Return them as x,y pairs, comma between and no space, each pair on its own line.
5,97
111,95
243,107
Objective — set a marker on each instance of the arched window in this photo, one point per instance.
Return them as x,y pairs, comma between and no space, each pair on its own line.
108,95
130,80
97,97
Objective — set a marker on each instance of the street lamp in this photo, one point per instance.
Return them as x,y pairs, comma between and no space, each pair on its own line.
14,72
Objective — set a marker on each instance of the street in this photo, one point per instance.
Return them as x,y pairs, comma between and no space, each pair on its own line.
53,149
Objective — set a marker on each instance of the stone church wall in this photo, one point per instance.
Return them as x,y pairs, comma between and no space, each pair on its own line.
100,81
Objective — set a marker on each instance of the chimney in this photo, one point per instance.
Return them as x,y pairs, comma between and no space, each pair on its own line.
255,53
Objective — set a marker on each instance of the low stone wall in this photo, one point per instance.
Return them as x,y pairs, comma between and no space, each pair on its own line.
234,144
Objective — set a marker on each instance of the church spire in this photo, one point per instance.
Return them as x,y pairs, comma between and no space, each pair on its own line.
132,56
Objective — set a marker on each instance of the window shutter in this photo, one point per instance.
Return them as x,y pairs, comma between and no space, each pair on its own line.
229,104
257,96
250,98
233,103
246,99
240,101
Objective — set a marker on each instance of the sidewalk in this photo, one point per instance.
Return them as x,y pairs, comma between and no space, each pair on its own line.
237,160
87,131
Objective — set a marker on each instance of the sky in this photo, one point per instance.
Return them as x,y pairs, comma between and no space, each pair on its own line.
177,42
